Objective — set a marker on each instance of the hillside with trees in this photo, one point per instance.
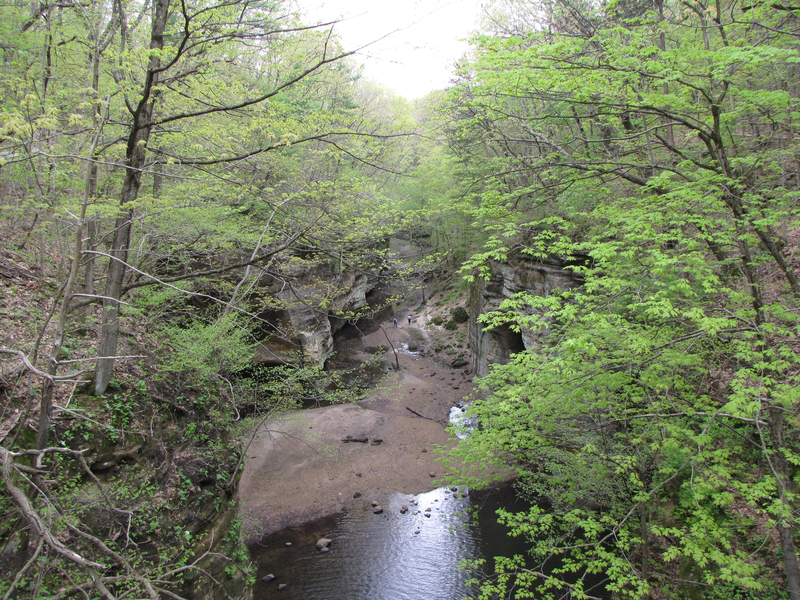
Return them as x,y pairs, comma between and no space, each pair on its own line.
654,148
162,163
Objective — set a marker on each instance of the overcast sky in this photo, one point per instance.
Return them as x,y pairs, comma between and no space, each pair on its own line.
419,55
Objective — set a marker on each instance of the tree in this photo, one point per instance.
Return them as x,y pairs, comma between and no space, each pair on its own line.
655,142
183,48
197,150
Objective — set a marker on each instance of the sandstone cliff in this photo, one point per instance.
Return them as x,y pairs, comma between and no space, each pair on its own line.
517,274
305,308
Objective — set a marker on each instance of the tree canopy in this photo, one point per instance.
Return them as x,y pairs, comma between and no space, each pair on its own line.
653,146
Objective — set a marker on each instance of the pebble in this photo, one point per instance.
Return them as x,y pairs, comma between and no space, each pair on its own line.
268,578
432,473
288,544
403,509
375,503
282,586
377,510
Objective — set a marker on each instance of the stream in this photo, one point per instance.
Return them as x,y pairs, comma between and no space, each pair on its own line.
415,547
389,556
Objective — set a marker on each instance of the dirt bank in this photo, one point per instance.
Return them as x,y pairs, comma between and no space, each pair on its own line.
300,469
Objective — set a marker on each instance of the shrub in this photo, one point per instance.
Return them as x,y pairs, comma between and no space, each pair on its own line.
460,314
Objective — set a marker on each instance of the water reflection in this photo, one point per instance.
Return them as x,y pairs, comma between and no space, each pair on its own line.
388,556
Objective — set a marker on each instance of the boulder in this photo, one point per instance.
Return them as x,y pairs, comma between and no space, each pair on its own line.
460,314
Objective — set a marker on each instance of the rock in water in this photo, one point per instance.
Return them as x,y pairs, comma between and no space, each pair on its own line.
323,543
377,510
268,578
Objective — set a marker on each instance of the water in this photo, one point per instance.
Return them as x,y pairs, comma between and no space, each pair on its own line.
464,423
388,556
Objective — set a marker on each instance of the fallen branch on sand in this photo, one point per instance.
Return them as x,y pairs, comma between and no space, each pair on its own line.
422,416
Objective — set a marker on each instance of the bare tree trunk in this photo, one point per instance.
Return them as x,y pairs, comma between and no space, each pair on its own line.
135,162
396,357
109,332
785,529
46,407
91,242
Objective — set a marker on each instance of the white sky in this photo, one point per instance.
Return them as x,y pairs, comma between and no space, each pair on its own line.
419,56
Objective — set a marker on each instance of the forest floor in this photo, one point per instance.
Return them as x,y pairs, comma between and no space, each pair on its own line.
299,468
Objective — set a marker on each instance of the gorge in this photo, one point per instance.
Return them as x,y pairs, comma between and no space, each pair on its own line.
242,287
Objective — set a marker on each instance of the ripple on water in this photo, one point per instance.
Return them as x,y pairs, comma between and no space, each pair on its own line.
389,556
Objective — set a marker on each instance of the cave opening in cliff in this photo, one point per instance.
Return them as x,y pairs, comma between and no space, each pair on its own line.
508,342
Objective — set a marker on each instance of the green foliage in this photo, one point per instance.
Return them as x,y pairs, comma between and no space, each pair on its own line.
200,352
655,419
729,592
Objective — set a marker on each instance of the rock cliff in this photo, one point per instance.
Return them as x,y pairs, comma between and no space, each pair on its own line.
305,308
517,274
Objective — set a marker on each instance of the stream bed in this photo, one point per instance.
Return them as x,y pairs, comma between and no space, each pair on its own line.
412,554
389,556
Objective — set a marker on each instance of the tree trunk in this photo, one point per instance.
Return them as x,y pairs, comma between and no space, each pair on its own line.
785,529
136,154
46,406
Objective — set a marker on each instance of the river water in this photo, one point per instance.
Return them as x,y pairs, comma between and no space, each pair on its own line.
389,556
